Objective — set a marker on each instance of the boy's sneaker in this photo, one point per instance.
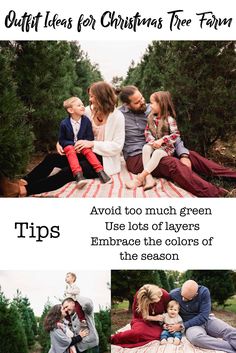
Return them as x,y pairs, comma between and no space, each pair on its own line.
80,180
103,177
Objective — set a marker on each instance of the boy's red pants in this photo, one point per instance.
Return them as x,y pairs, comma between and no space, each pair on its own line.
72,158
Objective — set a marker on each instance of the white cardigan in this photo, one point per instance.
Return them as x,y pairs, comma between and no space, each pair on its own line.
111,148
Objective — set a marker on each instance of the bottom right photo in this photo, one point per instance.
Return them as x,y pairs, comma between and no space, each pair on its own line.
192,311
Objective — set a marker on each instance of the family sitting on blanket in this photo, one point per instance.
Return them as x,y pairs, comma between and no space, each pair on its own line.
124,129
201,327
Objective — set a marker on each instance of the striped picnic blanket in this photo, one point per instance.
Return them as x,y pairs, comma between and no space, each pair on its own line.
155,347
117,188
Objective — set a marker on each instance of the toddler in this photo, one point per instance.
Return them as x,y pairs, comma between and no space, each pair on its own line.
72,291
171,318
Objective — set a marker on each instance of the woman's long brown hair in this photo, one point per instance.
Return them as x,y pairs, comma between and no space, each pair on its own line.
105,96
53,316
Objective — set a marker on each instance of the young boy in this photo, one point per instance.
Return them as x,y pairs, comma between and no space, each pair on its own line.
73,291
78,127
170,318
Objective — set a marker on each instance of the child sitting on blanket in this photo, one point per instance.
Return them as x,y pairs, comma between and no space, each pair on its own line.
171,318
78,127
161,133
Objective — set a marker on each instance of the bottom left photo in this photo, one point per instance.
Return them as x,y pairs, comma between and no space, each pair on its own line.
55,311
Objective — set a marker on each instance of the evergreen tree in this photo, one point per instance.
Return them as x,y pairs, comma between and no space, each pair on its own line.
201,78
219,282
43,336
46,75
157,279
164,280
171,282
105,319
13,338
15,133
86,72
103,344
27,317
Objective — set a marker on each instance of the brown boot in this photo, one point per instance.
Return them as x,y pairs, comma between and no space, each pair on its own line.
150,182
10,188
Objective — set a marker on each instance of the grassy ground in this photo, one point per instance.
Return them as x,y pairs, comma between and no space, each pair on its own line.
121,317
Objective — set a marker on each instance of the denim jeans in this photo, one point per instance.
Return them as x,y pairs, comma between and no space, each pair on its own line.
166,334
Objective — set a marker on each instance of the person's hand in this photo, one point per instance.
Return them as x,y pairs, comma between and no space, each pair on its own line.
155,318
165,326
59,149
158,143
159,317
186,161
174,328
84,333
80,144
60,325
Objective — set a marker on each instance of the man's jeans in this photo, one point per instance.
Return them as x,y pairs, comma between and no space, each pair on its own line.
214,334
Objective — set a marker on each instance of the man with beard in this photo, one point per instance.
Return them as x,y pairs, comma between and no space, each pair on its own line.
76,310
184,170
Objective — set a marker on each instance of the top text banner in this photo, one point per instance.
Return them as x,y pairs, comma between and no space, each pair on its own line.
120,20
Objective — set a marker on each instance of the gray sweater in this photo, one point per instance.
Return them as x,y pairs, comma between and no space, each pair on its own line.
59,341
91,340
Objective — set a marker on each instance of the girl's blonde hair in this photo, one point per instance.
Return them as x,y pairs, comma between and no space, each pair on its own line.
69,102
73,275
167,109
146,295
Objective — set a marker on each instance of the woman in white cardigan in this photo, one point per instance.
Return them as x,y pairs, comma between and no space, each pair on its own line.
109,132
108,127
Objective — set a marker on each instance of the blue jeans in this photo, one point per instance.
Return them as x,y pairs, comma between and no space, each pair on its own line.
206,336
166,334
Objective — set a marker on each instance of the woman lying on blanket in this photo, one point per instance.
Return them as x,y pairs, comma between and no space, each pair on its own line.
109,132
150,302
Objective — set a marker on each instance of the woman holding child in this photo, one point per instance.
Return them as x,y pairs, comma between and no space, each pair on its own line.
150,302
109,133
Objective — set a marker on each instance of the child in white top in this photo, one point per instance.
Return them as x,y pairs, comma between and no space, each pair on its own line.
72,290
172,317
